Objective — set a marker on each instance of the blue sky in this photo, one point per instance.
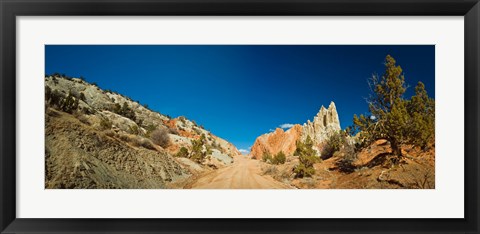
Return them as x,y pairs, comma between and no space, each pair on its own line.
240,92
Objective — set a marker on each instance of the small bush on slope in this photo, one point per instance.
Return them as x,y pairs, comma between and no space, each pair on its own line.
279,158
333,144
105,124
160,137
198,154
182,153
145,143
267,157
125,111
348,155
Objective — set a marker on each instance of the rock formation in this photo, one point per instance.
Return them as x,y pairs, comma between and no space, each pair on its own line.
324,124
277,141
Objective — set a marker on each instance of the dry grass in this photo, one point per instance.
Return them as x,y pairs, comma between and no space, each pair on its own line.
125,137
143,142
269,170
309,182
278,173
82,118
110,133
135,140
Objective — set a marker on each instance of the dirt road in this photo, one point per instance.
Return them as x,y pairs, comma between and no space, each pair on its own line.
244,173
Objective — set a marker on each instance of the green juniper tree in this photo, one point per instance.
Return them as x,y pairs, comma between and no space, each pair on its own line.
421,108
392,117
307,157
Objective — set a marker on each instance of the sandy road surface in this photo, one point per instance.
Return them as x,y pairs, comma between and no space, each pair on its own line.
244,173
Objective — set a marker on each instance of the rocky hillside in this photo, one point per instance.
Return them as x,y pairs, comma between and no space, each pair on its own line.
97,138
324,124
372,168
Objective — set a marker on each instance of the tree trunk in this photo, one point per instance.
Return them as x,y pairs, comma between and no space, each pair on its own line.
396,149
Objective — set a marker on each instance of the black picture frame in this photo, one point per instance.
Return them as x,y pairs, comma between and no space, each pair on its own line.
470,9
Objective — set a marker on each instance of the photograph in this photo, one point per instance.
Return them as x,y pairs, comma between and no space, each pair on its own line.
239,116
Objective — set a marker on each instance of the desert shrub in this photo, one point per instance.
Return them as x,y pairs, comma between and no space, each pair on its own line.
82,97
54,98
160,137
69,103
74,93
150,128
303,170
347,155
130,114
182,153
139,141
209,149
110,133
125,137
421,177
182,119
80,116
146,143
48,93
105,124
198,154
139,122
217,146
133,129
136,141
124,111
279,158
333,144
267,157
88,111
269,170
173,130
307,157
309,183
283,176
54,79
116,108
